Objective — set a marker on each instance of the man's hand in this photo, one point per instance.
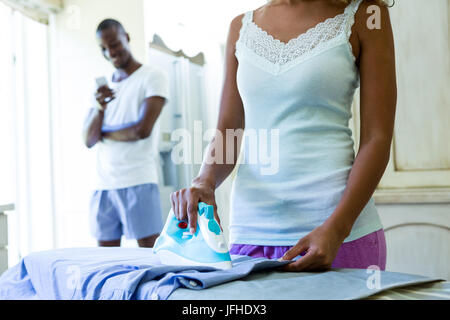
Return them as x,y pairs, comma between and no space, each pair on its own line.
104,95
320,245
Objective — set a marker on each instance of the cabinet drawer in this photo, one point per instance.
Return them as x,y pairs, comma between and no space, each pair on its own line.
3,230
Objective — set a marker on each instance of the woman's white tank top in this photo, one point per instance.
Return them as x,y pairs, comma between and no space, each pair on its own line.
297,151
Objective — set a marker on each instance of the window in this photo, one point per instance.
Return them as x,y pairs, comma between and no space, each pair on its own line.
26,170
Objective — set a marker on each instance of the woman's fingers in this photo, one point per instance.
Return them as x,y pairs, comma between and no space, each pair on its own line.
182,206
172,200
301,246
216,215
304,263
313,260
176,207
185,204
192,214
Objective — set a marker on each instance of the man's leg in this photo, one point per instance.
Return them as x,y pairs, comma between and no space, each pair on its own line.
148,242
104,219
112,243
142,217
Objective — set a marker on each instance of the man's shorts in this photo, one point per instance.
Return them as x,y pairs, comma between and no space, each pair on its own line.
134,212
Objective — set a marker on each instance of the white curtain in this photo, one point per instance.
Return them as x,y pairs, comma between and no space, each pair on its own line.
26,164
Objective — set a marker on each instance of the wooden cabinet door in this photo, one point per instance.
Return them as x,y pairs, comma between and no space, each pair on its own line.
419,167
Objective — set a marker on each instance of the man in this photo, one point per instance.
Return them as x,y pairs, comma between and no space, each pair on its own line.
123,123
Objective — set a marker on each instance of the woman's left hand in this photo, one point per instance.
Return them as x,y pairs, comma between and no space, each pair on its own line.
321,246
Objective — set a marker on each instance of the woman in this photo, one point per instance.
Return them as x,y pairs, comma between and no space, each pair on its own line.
294,66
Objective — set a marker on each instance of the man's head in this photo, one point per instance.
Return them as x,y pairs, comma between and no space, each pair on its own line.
114,42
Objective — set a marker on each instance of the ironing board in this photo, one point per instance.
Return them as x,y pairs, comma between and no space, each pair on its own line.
251,288
439,290
136,273
426,291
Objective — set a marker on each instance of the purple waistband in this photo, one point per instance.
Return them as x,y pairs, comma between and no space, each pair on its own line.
361,253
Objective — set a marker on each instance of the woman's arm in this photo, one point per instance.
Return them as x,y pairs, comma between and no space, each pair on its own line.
378,94
231,116
378,104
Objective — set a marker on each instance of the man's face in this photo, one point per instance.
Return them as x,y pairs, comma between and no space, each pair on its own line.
114,44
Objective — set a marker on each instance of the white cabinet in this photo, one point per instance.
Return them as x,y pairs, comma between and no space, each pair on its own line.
419,166
4,236
3,230
417,238
3,260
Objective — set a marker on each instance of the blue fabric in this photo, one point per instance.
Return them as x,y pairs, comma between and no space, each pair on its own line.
134,212
112,273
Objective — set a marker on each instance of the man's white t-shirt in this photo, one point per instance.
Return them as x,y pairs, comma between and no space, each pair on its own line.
126,164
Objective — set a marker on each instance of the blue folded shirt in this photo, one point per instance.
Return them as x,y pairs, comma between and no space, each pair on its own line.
113,273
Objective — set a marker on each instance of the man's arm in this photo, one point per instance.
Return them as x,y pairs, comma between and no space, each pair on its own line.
151,109
94,121
93,127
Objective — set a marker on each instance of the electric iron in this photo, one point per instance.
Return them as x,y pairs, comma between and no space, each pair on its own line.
176,245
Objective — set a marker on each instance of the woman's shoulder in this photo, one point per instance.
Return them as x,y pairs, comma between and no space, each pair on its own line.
236,22
235,26
370,16
368,9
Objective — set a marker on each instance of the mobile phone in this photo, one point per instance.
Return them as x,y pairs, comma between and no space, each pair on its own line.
101,81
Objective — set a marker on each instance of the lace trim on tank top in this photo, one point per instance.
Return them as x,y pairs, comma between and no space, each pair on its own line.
325,35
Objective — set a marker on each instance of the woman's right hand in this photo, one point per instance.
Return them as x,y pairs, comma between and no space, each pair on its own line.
185,203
